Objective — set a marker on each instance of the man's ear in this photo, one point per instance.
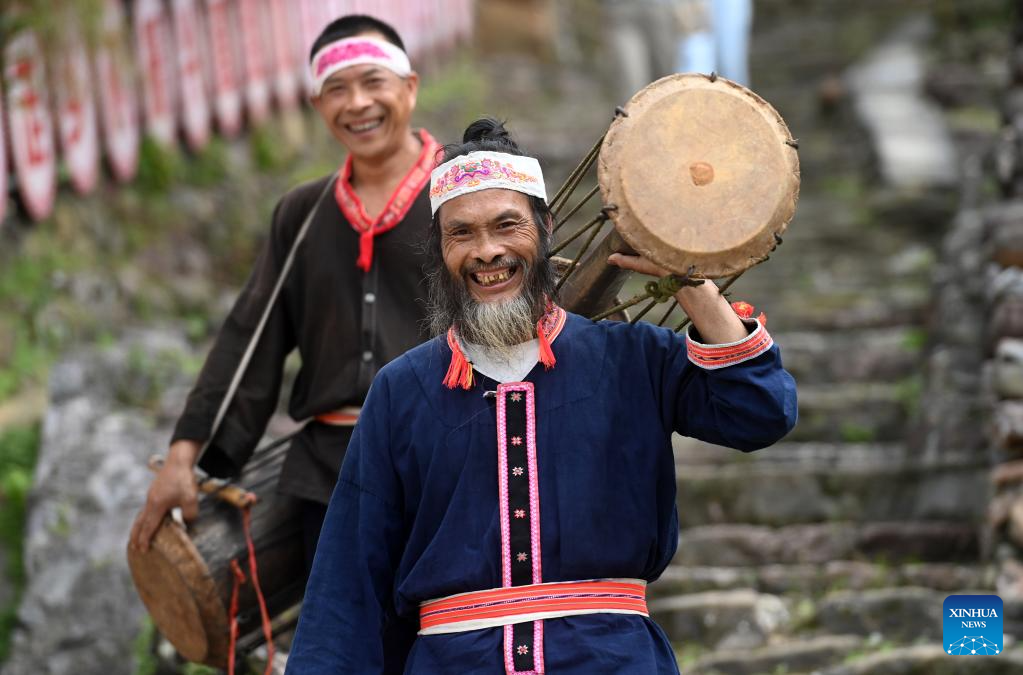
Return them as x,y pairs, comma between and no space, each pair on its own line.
412,82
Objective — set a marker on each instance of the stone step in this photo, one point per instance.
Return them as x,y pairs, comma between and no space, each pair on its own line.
855,486
815,580
855,411
797,656
741,619
690,452
882,354
882,542
928,660
901,615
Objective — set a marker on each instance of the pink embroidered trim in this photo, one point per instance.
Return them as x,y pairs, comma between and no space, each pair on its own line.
474,173
712,357
509,659
534,510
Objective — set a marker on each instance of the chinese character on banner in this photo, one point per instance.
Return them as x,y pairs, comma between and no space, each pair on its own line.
255,59
76,112
118,107
31,127
284,24
156,68
221,19
191,55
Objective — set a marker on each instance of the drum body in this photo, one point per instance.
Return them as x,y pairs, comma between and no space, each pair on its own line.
185,578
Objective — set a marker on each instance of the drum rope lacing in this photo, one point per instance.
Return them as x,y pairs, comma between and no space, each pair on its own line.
238,581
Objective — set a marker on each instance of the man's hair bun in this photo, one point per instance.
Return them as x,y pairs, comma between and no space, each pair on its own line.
487,129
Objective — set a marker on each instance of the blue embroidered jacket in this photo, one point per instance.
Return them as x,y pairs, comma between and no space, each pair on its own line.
415,513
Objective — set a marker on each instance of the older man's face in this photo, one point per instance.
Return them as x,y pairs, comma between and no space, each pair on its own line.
489,239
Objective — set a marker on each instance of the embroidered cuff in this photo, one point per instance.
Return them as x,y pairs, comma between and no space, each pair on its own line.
712,357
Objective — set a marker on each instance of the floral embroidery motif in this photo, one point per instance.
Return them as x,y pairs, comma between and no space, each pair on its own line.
522,650
516,440
517,471
474,172
516,396
520,513
521,557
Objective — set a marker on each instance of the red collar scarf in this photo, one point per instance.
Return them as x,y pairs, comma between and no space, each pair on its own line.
460,372
397,206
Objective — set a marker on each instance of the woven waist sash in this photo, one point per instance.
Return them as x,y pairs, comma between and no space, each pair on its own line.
516,604
342,417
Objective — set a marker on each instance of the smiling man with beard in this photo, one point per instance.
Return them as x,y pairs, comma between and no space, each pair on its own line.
510,486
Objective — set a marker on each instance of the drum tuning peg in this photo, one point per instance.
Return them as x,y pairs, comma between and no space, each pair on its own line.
777,239
713,77
606,210
620,111
793,143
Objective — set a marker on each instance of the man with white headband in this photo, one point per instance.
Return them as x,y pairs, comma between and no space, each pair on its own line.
510,487
353,300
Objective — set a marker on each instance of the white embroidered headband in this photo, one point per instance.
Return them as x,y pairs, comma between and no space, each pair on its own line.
356,51
483,170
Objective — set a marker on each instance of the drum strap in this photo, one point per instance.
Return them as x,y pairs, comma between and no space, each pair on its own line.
239,580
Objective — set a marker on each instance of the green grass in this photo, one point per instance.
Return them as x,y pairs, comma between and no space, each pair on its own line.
18,449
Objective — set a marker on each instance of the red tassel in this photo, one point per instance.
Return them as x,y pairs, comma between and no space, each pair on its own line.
546,353
459,370
365,260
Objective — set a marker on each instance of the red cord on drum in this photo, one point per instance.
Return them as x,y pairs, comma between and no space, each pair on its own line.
239,579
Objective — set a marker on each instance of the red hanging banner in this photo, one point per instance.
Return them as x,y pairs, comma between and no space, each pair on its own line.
255,59
312,20
191,53
284,26
155,51
118,107
76,113
221,20
28,113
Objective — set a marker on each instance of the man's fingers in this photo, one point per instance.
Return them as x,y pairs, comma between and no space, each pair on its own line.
635,263
149,520
190,508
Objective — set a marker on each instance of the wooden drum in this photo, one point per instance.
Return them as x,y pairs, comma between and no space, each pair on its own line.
703,173
185,578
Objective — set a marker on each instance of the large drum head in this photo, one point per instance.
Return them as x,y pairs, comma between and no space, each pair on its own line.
704,174
176,587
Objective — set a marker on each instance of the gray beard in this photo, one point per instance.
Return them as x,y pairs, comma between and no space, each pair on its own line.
495,326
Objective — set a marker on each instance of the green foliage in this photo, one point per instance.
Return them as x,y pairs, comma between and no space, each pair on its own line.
160,167
18,449
209,167
851,432
268,150
145,660
198,669
457,93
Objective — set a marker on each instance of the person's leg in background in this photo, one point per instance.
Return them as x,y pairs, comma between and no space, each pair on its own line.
733,22
696,52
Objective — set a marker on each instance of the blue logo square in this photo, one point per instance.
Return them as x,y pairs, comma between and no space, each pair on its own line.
972,625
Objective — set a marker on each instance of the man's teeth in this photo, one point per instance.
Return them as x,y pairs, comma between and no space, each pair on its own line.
365,126
493,278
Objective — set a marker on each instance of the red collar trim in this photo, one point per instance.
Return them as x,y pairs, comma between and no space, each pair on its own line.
397,206
460,373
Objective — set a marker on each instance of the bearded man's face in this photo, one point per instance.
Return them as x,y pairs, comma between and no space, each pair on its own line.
497,279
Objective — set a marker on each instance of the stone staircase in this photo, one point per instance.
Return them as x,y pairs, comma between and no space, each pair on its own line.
832,551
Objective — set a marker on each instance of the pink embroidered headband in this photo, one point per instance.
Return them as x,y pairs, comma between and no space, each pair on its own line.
356,51
482,171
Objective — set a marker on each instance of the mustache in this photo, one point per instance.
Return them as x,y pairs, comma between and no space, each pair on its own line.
497,264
